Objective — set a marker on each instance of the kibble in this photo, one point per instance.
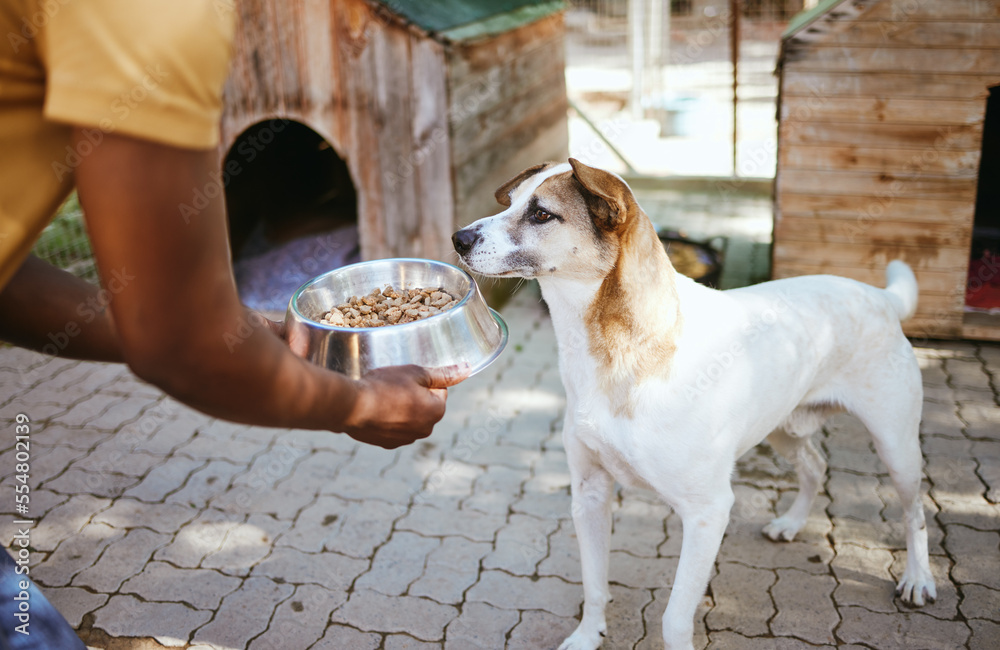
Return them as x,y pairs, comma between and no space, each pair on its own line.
389,306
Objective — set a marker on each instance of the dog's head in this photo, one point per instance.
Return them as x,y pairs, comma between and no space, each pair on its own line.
564,220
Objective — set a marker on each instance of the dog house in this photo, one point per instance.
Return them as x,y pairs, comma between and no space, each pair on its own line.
413,112
888,148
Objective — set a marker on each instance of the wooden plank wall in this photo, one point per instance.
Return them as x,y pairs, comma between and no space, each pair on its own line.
880,126
507,102
375,89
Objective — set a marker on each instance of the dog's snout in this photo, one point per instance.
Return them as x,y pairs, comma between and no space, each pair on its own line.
464,240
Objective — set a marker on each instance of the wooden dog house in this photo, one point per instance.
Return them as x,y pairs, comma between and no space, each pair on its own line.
431,105
882,106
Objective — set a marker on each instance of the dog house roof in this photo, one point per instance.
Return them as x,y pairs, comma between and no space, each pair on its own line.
460,20
814,24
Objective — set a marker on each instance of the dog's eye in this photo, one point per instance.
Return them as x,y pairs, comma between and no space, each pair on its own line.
542,215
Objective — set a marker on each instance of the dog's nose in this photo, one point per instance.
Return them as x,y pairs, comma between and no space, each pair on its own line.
464,240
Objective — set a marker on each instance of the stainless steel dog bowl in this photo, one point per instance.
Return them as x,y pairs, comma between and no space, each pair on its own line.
468,333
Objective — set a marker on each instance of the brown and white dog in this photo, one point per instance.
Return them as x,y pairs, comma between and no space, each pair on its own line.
669,382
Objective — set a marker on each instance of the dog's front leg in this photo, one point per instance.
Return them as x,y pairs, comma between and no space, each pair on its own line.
592,488
704,525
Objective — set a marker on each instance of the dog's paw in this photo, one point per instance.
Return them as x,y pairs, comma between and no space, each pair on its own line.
782,529
583,639
917,590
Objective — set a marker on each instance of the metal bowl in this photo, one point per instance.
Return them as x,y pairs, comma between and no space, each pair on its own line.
468,333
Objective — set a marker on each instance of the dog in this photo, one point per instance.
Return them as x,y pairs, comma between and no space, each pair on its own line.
669,382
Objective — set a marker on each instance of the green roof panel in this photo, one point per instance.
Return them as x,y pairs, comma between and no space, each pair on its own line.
447,15
807,17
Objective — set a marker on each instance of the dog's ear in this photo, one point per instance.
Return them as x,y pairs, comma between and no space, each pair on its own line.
503,192
607,196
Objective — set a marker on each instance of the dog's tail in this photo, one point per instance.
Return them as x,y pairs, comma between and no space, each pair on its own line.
901,286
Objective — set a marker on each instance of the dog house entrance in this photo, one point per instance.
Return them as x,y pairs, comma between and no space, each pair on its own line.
982,296
292,211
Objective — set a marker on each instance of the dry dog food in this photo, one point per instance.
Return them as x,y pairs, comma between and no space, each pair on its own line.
389,306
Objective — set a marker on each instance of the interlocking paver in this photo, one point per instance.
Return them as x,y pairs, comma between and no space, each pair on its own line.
635,527
338,637
397,564
74,554
985,635
88,410
514,592
239,452
240,617
164,518
863,577
122,559
48,465
521,545
75,603
164,479
451,568
198,538
346,527
424,619
171,624
743,600
540,630
76,481
331,570
973,551
479,626
979,601
900,631
245,545
653,616
300,620
201,588
434,522
805,608
205,483
564,555
111,458
626,626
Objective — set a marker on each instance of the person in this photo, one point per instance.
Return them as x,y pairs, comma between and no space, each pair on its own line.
123,98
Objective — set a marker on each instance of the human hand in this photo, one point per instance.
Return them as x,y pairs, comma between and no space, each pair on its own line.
399,405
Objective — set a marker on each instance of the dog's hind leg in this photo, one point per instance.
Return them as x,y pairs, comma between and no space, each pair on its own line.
592,487
894,422
810,469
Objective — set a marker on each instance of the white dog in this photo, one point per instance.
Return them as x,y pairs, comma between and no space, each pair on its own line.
668,382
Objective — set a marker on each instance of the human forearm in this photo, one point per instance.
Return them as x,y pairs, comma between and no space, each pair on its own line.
52,311
235,368
173,317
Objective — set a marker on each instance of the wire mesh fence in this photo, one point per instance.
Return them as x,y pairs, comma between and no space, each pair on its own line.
64,242
655,87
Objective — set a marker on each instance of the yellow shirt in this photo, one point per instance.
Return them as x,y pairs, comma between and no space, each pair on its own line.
144,68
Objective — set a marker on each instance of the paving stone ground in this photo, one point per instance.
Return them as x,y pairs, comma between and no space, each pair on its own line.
156,526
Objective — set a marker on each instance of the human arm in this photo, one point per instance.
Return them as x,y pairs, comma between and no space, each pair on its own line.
46,309
178,318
